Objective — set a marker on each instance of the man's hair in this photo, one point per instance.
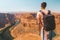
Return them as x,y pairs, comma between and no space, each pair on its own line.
43,4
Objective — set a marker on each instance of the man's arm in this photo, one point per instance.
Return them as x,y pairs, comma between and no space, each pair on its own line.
39,22
39,18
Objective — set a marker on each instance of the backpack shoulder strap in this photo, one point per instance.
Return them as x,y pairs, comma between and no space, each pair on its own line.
42,12
49,12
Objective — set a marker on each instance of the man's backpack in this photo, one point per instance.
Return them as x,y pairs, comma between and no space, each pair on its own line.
49,21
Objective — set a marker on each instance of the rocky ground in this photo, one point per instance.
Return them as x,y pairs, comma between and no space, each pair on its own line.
28,29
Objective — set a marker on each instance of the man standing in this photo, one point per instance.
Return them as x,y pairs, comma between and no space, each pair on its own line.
40,20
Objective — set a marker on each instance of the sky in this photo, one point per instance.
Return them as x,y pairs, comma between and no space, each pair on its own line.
27,5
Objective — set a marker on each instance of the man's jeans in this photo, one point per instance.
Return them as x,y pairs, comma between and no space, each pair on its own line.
44,34
47,35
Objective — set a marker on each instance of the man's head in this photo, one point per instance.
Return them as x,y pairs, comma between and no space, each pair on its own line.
43,5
